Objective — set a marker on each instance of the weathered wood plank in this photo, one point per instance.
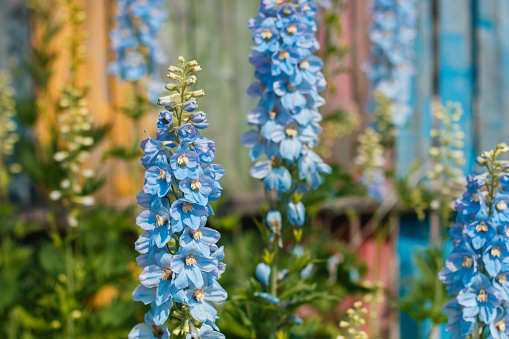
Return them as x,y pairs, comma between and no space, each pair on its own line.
414,139
456,66
489,76
502,32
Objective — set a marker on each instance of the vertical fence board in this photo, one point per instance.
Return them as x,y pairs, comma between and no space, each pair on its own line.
490,77
456,65
414,140
503,66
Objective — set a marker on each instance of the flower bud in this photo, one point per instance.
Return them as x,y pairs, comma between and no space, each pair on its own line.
172,76
192,63
198,93
191,80
196,69
174,69
171,86
181,59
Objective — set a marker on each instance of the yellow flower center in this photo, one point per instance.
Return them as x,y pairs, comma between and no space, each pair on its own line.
195,184
198,295
187,207
182,160
272,115
190,260
291,88
467,262
267,34
474,197
304,64
495,251
196,234
481,227
482,296
291,131
283,55
162,174
501,278
160,221
292,29
287,11
167,274
500,325
501,205
306,7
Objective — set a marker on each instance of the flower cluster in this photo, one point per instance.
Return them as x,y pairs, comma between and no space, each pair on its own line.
8,127
475,272
371,160
287,118
356,320
448,157
134,41
180,256
392,36
74,124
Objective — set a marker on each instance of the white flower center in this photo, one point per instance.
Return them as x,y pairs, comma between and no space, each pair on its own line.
182,160
162,174
190,260
167,274
196,234
467,262
198,295
495,251
195,184
304,64
481,227
283,55
482,296
292,29
267,34
187,207
160,220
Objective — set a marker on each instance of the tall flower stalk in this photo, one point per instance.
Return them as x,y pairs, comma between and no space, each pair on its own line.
8,135
286,123
392,36
139,57
475,272
180,256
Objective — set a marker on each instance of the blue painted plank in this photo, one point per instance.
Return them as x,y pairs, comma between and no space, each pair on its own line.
503,41
413,140
489,77
456,65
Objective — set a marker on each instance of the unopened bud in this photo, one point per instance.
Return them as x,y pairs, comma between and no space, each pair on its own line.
199,93
174,69
191,80
171,86
172,76
192,63
181,59
196,69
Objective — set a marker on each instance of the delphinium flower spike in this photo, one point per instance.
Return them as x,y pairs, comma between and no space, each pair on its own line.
286,123
138,51
475,272
392,35
181,260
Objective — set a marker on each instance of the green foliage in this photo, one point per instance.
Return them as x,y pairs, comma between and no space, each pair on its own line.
34,299
427,294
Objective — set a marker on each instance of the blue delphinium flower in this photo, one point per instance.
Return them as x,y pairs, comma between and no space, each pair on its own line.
138,52
285,122
179,254
475,272
392,36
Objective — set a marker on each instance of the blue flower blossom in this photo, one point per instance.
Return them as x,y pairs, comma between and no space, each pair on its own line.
481,298
205,332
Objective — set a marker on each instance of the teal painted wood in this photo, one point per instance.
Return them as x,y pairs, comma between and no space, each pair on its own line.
414,139
456,66
490,78
502,37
